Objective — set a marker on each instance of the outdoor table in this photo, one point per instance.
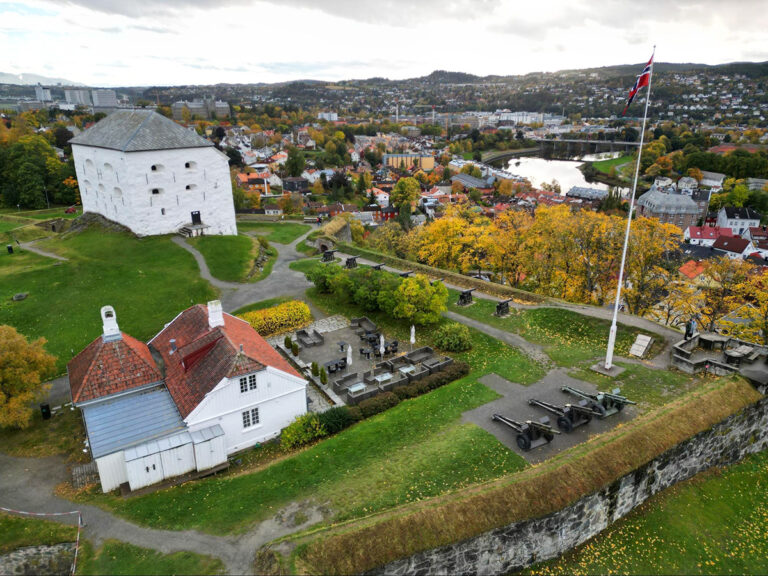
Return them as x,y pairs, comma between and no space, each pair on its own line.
734,356
383,377
355,388
342,345
713,341
407,369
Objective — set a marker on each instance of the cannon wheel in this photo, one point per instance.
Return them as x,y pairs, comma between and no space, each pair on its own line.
523,443
548,436
587,418
564,424
619,406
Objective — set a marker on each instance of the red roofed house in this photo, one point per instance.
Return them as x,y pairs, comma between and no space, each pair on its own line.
734,247
206,386
705,235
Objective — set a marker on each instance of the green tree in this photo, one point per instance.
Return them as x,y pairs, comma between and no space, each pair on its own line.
418,301
295,163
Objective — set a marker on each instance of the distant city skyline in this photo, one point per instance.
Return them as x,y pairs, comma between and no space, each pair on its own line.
166,42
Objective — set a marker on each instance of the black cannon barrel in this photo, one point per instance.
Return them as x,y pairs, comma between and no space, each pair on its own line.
541,427
547,406
618,398
516,426
586,410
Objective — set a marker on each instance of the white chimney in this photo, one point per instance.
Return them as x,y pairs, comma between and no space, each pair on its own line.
109,321
215,314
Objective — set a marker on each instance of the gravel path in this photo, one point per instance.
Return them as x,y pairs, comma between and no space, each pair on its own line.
281,282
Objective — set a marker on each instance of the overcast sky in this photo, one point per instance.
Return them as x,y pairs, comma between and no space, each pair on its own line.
165,42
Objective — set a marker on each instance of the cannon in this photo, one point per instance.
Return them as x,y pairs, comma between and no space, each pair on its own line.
351,262
607,403
502,308
530,434
406,274
569,416
328,255
377,266
465,298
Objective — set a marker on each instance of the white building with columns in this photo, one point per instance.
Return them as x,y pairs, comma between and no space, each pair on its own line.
144,171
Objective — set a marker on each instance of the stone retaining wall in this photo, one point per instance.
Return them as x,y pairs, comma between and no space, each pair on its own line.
522,544
42,560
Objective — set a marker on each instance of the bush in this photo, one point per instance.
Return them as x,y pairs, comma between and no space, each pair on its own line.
323,376
355,413
433,381
453,337
302,431
263,242
336,419
295,348
383,401
288,342
286,316
315,369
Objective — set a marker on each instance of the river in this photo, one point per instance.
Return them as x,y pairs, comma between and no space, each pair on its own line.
566,172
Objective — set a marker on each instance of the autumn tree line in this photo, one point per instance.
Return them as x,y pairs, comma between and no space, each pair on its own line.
575,256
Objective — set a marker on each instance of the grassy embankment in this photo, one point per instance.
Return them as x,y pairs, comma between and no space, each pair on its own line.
278,232
147,280
605,166
230,258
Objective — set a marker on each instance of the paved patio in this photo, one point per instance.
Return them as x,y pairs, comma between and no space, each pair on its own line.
514,404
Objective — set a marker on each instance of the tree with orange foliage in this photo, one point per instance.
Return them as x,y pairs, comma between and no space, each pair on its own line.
23,367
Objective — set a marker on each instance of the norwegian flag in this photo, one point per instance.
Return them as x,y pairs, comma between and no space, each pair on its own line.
642,80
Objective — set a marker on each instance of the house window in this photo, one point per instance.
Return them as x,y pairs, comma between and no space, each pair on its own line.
243,384
154,168
252,382
250,417
155,191
162,211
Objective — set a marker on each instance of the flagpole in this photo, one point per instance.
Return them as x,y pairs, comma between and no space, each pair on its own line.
612,335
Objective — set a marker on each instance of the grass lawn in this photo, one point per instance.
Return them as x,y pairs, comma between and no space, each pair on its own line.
62,434
416,450
279,232
712,524
229,258
121,558
262,304
147,280
305,264
6,225
566,336
606,165
644,385
20,531
49,214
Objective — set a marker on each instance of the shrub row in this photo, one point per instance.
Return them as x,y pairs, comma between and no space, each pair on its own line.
286,316
312,426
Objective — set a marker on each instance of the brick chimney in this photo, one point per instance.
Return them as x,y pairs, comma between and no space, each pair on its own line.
109,322
215,314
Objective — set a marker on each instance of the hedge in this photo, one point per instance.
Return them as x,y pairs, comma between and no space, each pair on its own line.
378,403
433,381
290,315
453,337
302,431
492,288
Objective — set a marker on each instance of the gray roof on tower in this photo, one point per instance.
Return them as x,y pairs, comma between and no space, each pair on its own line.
139,130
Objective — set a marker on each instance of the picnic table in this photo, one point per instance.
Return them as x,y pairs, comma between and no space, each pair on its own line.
407,369
711,341
383,377
734,356
357,387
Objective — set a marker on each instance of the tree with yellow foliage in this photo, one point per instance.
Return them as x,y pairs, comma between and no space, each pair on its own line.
725,275
681,303
23,367
506,253
750,297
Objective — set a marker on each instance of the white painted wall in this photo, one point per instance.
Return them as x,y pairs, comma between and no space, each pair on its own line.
112,471
211,453
119,186
279,396
145,471
178,460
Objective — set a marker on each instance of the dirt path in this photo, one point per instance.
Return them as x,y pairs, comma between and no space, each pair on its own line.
32,248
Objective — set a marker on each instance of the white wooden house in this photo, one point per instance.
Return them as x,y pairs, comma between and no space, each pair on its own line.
205,387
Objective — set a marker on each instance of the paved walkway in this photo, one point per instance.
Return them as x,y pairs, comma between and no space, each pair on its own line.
28,483
281,282
32,248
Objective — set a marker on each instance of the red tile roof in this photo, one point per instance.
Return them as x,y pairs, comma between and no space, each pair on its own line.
708,232
205,356
736,245
106,368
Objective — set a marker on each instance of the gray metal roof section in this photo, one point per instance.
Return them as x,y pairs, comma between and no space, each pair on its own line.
659,201
132,419
199,436
139,130
159,445
469,181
